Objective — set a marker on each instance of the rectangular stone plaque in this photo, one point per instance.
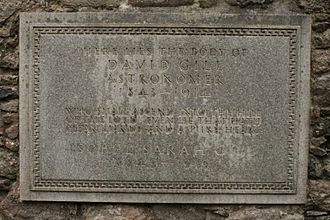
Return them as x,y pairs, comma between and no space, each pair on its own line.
164,108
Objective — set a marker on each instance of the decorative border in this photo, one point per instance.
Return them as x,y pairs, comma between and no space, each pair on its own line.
287,187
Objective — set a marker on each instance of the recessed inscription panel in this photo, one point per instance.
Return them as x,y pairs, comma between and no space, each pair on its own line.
177,110
164,108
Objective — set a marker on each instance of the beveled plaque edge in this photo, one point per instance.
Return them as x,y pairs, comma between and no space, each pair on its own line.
26,133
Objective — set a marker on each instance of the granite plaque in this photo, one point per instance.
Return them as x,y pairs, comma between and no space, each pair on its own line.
164,108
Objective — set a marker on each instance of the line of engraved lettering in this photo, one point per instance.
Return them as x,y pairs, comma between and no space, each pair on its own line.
156,129
215,113
166,51
162,121
186,92
212,64
213,119
89,128
174,152
288,186
191,51
128,51
212,129
118,110
165,78
156,156
168,152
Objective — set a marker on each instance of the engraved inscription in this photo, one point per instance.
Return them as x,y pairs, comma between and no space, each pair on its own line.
162,121
161,111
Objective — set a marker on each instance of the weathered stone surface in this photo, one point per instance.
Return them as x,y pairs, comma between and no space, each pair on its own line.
316,213
13,209
321,61
327,129
115,212
318,130
244,3
319,195
92,3
322,90
2,141
266,214
7,93
2,217
3,194
4,32
4,185
128,111
9,118
8,79
221,212
318,151
9,106
322,41
326,217
325,112
321,27
7,8
321,18
9,60
315,6
318,141
159,3
315,168
12,131
327,146
326,163
174,212
8,164
207,3
9,144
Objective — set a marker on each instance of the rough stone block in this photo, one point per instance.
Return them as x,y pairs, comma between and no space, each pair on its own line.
92,3
207,3
7,93
322,41
8,164
7,8
321,61
315,6
159,3
319,194
244,3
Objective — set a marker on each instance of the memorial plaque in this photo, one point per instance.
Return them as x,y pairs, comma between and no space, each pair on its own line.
164,108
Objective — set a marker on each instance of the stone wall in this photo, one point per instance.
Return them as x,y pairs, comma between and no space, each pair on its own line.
318,205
